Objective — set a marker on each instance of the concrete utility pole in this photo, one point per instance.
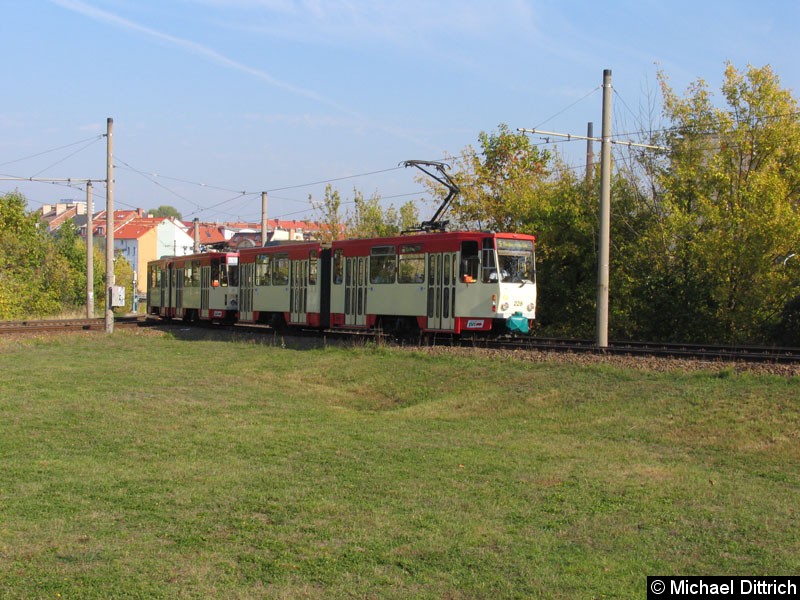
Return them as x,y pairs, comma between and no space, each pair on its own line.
605,200
109,224
263,218
603,254
89,253
196,234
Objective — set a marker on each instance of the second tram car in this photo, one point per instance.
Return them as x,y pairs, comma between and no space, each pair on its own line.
285,283
195,287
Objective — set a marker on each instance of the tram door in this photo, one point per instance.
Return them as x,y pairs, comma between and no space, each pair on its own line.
298,292
164,279
180,282
205,290
355,290
442,275
247,282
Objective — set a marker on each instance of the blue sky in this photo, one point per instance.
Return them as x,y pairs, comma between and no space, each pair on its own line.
273,95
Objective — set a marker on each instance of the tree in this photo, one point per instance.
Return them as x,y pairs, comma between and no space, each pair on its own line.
165,211
726,209
366,218
500,185
72,248
332,225
369,219
35,279
43,275
409,216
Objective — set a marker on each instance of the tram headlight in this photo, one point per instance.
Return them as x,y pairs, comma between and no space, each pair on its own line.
531,307
504,306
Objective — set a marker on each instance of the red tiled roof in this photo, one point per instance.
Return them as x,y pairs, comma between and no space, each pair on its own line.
208,234
134,230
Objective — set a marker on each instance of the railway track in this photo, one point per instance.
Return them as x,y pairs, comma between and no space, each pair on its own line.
706,352
62,325
712,352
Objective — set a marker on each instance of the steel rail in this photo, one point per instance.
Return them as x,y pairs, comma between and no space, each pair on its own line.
61,325
694,351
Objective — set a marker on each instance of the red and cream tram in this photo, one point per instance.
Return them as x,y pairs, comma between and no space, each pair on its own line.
453,282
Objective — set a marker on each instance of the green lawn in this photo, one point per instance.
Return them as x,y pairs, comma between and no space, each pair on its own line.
140,466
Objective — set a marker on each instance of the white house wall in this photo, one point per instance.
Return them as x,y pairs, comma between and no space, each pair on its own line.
173,240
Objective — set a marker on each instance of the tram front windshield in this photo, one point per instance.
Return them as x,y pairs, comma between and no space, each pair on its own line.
515,258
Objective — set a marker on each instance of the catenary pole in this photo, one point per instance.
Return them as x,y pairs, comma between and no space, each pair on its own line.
605,199
109,223
263,218
89,253
589,153
603,254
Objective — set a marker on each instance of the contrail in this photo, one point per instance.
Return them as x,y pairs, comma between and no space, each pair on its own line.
198,49
97,14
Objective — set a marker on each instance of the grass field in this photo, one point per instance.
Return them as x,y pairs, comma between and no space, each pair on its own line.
140,466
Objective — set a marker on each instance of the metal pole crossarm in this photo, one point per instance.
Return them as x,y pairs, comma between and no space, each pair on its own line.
635,145
569,136
50,180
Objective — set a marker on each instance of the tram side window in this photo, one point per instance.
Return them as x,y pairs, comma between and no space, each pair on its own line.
263,270
280,271
470,262
411,268
338,266
233,271
312,267
489,274
191,274
382,264
223,274
219,273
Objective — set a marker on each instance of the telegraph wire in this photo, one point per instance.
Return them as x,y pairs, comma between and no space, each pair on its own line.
292,187
195,183
565,109
94,138
153,177
79,150
209,208
149,177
